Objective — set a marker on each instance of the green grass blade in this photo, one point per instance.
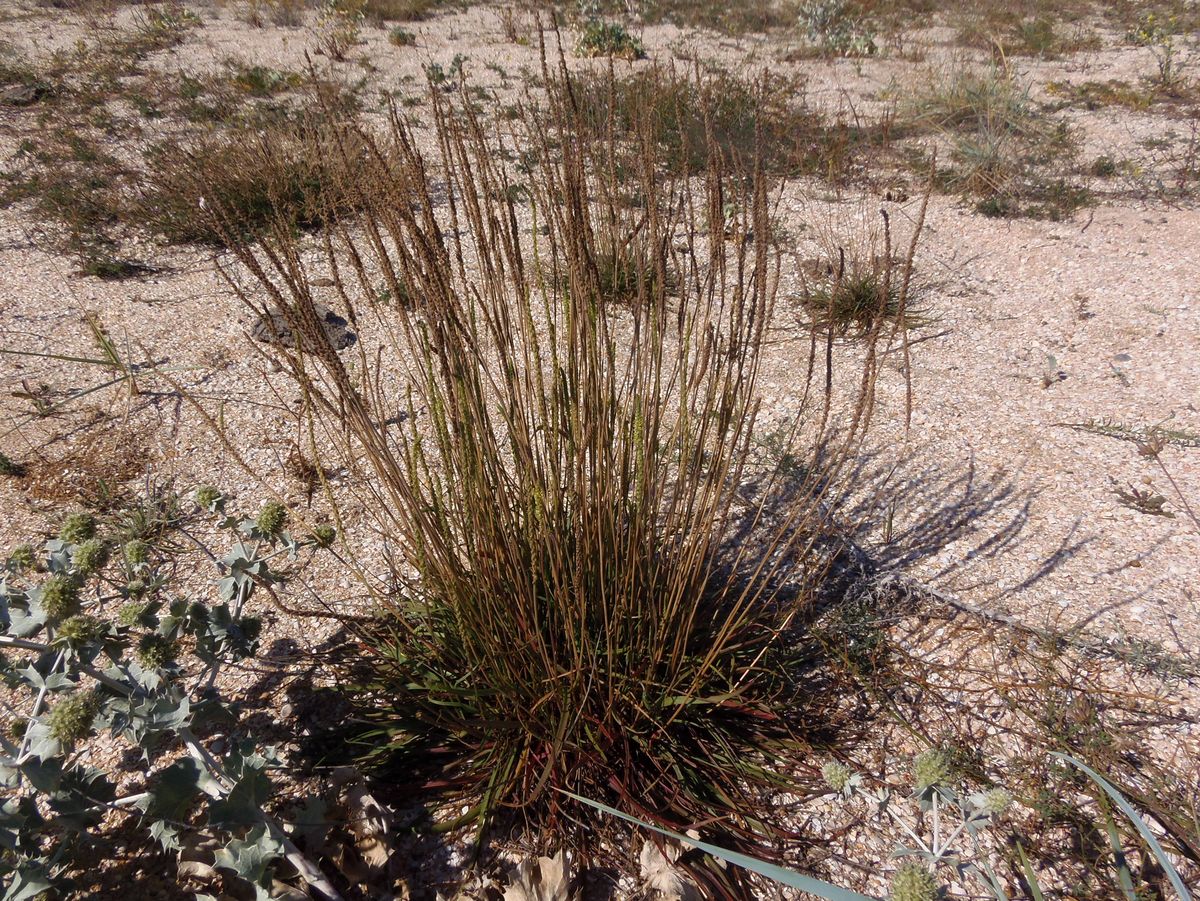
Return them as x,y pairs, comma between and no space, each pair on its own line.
1030,875
783,876
65,358
1127,809
1122,866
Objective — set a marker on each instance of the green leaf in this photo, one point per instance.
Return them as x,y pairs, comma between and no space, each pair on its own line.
1119,862
174,791
1030,875
243,805
166,835
311,822
250,858
1127,809
29,881
42,744
783,876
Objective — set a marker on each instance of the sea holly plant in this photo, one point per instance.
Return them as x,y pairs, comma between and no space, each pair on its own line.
939,835
101,646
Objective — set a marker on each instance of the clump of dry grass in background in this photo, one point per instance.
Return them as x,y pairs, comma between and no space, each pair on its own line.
228,171
1003,152
686,110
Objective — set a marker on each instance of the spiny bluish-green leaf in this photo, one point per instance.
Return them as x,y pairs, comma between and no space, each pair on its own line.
174,791
251,857
29,880
243,805
166,835
42,744
54,682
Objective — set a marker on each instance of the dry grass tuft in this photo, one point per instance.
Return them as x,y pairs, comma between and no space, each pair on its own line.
590,592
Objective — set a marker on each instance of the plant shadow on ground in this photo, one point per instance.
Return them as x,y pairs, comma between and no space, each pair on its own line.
852,634
1039,682
867,629
294,701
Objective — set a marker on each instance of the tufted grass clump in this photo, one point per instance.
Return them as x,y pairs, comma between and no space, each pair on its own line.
1004,152
582,597
854,303
9,467
228,171
742,116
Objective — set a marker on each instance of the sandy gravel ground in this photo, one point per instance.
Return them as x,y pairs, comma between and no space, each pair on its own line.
989,494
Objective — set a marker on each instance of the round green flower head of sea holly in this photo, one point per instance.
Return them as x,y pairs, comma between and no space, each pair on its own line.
207,497
836,775
913,882
21,558
271,518
136,552
324,535
931,768
60,598
71,718
131,614
81,629
90,556
156,651
251,627
995,801
77,528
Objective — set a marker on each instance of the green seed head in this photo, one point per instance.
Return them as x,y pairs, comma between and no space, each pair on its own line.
90,556
21,558
135,552
271,518
16,729
77,528
156,651
137,587
995,801
913,882
836,775
324,535
81,629
60,598
207,497
131,614
71,718
931,768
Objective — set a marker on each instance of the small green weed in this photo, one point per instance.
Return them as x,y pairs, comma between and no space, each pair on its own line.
599,38
836,28
401,37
